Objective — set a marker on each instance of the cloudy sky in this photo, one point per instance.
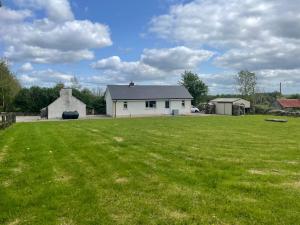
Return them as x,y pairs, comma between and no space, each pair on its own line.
152,41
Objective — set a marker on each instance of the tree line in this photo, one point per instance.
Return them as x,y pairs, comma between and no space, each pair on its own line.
33,99
13,97
246,87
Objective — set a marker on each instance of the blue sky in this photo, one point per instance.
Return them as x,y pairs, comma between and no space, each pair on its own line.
152,41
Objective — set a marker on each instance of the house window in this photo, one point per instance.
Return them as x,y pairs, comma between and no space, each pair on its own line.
167,104
125,106
183,103
150,104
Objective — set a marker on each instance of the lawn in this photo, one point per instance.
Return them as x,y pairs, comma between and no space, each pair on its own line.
181,170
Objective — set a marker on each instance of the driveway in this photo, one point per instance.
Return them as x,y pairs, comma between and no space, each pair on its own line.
22,119
27,118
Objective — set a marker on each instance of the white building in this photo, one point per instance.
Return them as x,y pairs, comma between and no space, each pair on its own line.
224,105
65,103
142,100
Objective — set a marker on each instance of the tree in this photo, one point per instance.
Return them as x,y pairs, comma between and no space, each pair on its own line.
9,87
246,82
294,96
92,100
197,88
33,99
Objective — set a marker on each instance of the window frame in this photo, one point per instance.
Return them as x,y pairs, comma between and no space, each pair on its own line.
167,104
183,103
148,104
125,104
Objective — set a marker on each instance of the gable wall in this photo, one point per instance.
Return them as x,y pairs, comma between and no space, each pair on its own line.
62,104
109,104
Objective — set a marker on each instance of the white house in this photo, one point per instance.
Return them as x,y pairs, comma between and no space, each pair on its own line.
224,105
140,100
65,103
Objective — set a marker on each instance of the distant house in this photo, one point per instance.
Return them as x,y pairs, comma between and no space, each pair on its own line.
288,104
139,100
224,106
65,103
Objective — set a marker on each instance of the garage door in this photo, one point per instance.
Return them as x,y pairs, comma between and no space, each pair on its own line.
224,108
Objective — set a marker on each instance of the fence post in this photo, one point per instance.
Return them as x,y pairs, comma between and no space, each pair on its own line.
2,122
7,119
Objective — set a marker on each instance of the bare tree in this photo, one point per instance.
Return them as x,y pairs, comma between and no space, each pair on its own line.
75,83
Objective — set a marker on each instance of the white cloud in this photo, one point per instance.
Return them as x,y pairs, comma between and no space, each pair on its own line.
50,40
57,10
270,79
254,34
11,16
46,56
154,64
26,67
225,22
175,58
71,35
219,83
258,35
116,70
45,78
112,63
276,54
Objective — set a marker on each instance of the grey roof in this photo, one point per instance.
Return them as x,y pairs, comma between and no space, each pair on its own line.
226,100
143,92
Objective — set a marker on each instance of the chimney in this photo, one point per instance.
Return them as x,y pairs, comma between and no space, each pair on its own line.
66,95
66,92
131,84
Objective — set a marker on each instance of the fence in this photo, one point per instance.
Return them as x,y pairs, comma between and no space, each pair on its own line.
7,119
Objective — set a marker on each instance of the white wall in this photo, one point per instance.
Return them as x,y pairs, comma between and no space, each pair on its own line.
138,108
109,104
66,102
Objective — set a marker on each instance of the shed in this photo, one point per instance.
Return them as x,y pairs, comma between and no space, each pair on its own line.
289,104
224,106
65,103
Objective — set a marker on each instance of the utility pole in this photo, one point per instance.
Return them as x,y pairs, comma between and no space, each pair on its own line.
280,89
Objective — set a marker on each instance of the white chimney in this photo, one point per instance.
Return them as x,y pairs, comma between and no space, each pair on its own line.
66,95
66,92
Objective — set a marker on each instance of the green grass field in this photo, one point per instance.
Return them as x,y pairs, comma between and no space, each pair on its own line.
182,170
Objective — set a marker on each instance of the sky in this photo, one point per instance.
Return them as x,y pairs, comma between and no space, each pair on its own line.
152,42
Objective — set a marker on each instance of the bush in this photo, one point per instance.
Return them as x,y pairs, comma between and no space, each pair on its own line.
262,109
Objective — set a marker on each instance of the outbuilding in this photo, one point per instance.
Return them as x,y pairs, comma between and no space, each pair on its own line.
65,103
288,104
225,106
